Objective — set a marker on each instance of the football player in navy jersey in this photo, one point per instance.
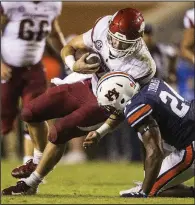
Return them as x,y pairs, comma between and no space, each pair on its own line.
157,113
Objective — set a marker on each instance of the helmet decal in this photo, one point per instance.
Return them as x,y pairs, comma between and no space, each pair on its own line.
115,89
111,94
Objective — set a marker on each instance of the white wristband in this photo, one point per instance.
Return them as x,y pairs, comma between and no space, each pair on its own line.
103,130
70,60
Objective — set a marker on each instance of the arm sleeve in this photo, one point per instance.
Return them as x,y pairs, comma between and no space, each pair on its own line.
87,38
137,114
90,35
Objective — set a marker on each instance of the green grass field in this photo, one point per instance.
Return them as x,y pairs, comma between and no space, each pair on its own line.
90,183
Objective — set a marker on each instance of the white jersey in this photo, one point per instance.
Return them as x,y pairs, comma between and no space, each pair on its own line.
188,20
140,65
24,37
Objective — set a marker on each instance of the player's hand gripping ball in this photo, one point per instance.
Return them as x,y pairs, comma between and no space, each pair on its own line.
88,61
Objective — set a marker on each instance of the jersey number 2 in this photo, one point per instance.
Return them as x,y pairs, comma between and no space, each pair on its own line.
26,33
174,103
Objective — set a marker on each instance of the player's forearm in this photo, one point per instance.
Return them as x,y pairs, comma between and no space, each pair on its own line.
76,43
66,51
109,125
56,41
152,167
59,33
67,55
53,46
154,153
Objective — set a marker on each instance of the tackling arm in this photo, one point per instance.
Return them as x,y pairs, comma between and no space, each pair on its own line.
154,152
109,125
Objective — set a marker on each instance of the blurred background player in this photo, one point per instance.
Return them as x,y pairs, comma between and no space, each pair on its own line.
164,55
25,28
185,66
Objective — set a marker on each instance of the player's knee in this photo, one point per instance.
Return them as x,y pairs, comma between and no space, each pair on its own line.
26,115
57,136
52,134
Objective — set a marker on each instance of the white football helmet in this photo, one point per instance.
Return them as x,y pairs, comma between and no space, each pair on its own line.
114,90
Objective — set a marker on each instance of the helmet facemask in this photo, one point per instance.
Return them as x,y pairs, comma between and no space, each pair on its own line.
119,47
116,107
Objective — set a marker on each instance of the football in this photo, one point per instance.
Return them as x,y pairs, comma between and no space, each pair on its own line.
91,59
80,52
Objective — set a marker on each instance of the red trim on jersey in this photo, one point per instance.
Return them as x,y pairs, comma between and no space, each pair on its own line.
174,171
139,113
94,27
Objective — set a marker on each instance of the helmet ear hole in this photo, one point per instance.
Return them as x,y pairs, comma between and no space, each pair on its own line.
122,101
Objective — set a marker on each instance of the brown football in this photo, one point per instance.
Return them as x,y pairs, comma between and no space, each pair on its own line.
80,52
91,59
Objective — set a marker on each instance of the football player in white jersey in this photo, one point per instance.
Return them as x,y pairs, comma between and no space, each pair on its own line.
120,47
118,40
23,38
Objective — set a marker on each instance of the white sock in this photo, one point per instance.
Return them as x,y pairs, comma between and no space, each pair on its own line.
33,180
37,156
26,158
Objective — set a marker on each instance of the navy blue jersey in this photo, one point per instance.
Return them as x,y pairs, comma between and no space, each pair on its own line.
174,115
